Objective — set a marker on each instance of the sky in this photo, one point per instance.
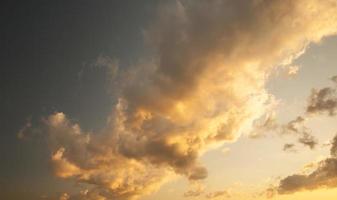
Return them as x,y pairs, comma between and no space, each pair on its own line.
159,99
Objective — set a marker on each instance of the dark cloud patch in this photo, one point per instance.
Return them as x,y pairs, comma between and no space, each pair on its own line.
323,101
289,148
298,128
308,140
294,126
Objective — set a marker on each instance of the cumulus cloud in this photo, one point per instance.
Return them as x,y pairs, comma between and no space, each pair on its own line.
204,85
325,175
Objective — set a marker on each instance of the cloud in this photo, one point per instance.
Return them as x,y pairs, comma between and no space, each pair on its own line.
217,194
225,150
95,160
196,190
293,70
323,101
294,126
204,85
23,132
103,63
289,148
333,150
325,175
262,126
297,127
308,140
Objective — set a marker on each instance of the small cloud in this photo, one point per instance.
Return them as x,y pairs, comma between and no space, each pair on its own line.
298,128
27,131
217,194
196,190
102,65
264,125
308,140
289,148
198,173
193,193
294,126
225,150
108,63
22,134
293,70
323,101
